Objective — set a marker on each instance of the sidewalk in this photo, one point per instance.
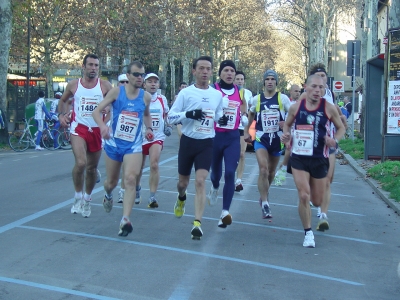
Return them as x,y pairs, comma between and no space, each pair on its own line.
361,167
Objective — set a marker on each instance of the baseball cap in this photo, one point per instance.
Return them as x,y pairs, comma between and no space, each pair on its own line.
122,77
151,75
58,95
271,73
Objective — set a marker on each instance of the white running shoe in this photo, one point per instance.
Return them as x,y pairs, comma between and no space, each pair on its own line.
86,211
309,240
38,148
225,219
121,196
212,196
98,176
77,206
107,204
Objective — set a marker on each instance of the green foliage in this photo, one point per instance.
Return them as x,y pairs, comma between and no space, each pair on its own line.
354,149
388,175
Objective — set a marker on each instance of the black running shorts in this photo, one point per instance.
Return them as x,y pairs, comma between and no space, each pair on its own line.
316,166
194,151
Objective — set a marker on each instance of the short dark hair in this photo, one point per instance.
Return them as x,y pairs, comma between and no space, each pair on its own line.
94,56
207,58
183,83
241,73
319,67
135,63
40,94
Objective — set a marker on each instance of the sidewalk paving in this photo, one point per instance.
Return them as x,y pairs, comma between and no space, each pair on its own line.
361,166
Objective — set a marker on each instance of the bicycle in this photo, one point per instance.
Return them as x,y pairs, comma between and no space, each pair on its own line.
20,140
64,139
50,136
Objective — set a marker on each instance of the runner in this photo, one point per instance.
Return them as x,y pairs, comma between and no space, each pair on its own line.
247,95
158,111
124,137
85,134
280,176
197,107
227,141
312,139
269,108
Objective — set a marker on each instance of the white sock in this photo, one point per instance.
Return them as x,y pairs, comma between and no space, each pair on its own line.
224,213
265,202
323,216
78,195
238,181
86,197
284,168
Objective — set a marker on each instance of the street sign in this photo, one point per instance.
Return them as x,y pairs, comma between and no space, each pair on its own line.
338,87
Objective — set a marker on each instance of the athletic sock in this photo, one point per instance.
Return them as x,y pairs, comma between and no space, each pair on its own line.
152,195
306,230
78,195
86,197
183,198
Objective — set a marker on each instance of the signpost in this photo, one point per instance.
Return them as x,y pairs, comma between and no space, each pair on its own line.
338,87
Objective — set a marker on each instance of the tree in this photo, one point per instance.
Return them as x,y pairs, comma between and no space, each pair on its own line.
5,33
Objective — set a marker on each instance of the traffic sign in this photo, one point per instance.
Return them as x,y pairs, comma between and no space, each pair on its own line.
338,87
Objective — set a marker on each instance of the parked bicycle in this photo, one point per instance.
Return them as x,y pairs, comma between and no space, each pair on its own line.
64,139
20,140
50,136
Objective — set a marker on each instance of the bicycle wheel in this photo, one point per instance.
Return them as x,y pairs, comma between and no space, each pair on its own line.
49,139
64,140
19,140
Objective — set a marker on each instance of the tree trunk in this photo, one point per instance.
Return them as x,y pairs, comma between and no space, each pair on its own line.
186,67
172,66
394,13
5,33
162,71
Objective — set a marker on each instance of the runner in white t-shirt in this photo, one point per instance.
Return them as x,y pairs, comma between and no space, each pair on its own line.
197,107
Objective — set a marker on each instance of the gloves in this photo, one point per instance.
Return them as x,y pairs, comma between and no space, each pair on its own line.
223,121
196,114
245,120
167,130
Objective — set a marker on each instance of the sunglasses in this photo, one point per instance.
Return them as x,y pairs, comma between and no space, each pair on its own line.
137,74
124,82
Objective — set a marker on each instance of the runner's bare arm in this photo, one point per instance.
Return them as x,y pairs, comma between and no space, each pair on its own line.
340,129
63,103
97,115
285,138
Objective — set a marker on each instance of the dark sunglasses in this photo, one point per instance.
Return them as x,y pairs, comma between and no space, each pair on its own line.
124,82
137,74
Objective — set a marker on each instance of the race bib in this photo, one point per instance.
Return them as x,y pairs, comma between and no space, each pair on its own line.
155,121
231,113
87,105
205,125
303,140
127,126
270,121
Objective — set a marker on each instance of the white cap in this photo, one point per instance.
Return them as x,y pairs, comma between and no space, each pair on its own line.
122,77
151,75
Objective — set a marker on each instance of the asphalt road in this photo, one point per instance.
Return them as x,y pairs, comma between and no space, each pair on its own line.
49,253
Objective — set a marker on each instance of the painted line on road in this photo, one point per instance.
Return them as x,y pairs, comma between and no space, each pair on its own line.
55,288
208,255
59,205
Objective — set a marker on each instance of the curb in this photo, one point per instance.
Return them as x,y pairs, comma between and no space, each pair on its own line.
373,183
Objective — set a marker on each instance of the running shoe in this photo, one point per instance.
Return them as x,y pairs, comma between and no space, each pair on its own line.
323,223
280,178
179,208
266,211
212,196
319,212
309,240
107,204
225,219
196,232
152,203
38,148
121,196
138,199
98,176
125,227
238,187
86,211
77,207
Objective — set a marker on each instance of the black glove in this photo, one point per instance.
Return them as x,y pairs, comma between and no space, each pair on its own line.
196,114
223,121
